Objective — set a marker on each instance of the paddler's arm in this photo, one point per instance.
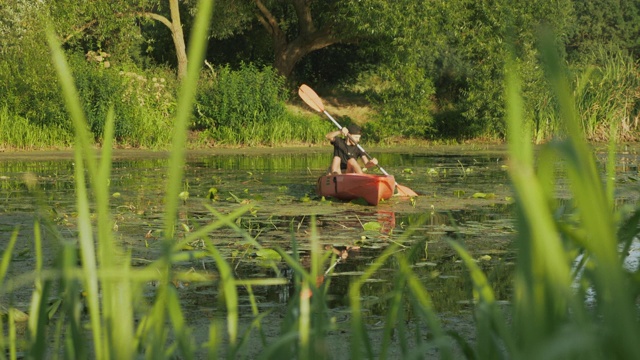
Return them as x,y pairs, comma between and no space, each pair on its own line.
332,135
369,163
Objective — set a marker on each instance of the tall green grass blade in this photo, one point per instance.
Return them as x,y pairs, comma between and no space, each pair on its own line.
493,337
538,239
543,296
38,308
611,166
3,341
228,288
75,344
11,324
6,256
120,318
597,220
393,320
212,344
424,305
197,46
87,255
359,340
304,321
182,332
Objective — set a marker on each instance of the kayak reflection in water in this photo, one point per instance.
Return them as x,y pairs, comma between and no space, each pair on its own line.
346,151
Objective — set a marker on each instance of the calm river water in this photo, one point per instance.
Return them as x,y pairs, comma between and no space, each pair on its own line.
464,196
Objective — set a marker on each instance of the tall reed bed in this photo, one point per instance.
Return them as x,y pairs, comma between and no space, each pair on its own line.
606,97
550,318
17,132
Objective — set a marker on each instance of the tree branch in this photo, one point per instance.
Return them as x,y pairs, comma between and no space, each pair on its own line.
79,30
89,24
305,20
157,17
267,19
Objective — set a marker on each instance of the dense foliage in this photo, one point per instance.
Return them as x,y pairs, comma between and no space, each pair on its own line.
247,107
429,70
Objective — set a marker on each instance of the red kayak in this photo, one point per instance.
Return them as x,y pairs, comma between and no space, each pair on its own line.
372,188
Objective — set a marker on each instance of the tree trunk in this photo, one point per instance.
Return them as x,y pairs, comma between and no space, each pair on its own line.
309,39
178,39
175,26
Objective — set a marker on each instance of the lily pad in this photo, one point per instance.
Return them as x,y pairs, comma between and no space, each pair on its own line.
372,226
480,195
269,254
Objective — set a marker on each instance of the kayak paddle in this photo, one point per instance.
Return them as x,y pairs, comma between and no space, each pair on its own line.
313,100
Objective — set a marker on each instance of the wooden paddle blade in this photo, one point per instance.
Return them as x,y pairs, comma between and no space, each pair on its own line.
310,97
405,191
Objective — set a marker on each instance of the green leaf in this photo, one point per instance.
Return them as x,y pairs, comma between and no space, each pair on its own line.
480,195
268,254
372,226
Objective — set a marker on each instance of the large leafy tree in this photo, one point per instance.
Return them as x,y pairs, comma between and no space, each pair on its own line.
114,23
604,27
300,27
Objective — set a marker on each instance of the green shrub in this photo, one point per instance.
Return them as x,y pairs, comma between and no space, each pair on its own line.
29,86
143,100
235,106
402,101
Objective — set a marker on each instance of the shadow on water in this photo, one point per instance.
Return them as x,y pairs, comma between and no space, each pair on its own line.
464,197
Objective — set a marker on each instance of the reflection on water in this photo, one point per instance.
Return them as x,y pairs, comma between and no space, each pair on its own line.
464,197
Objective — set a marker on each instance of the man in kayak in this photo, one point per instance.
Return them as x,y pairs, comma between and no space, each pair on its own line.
346,151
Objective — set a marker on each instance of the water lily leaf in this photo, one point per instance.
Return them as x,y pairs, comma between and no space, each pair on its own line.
480,195
116,195
18,316
269,254
372,226
484,258
212,194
